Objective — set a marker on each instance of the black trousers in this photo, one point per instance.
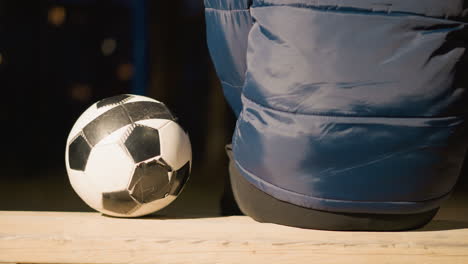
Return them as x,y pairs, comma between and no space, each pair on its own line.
265,208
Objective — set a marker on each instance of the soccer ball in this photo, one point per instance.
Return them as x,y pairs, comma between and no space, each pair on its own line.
126,156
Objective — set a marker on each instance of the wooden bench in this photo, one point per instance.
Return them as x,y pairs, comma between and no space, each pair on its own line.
62,237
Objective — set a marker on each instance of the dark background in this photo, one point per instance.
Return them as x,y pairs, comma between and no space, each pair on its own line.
59,57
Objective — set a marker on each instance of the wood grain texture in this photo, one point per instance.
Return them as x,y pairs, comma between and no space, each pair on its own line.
57,237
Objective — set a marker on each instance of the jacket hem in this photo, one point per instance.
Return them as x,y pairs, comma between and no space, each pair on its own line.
342,206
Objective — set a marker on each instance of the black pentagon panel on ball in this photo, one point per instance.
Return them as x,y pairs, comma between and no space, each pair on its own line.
148,110
143,143
179,178
78,153
150,182
119,202
113,100
105,124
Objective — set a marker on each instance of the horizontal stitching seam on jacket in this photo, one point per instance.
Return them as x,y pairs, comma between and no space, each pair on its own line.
462,115
236,86
355,10
225,10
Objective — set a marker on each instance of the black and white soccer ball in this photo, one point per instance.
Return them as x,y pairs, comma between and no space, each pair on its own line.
126,156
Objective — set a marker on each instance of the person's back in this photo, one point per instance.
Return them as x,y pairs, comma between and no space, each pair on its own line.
351,114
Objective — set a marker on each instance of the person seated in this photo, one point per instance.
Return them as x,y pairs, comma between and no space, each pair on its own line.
351,115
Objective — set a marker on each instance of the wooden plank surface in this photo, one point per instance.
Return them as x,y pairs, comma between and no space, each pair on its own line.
57,237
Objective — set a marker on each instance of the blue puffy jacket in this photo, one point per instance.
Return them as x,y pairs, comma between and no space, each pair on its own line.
345,105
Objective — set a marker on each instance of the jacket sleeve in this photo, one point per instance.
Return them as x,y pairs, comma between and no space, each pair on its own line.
228,23
348,105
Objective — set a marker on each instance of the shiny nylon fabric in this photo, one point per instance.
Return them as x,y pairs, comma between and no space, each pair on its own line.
228,23
347,106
